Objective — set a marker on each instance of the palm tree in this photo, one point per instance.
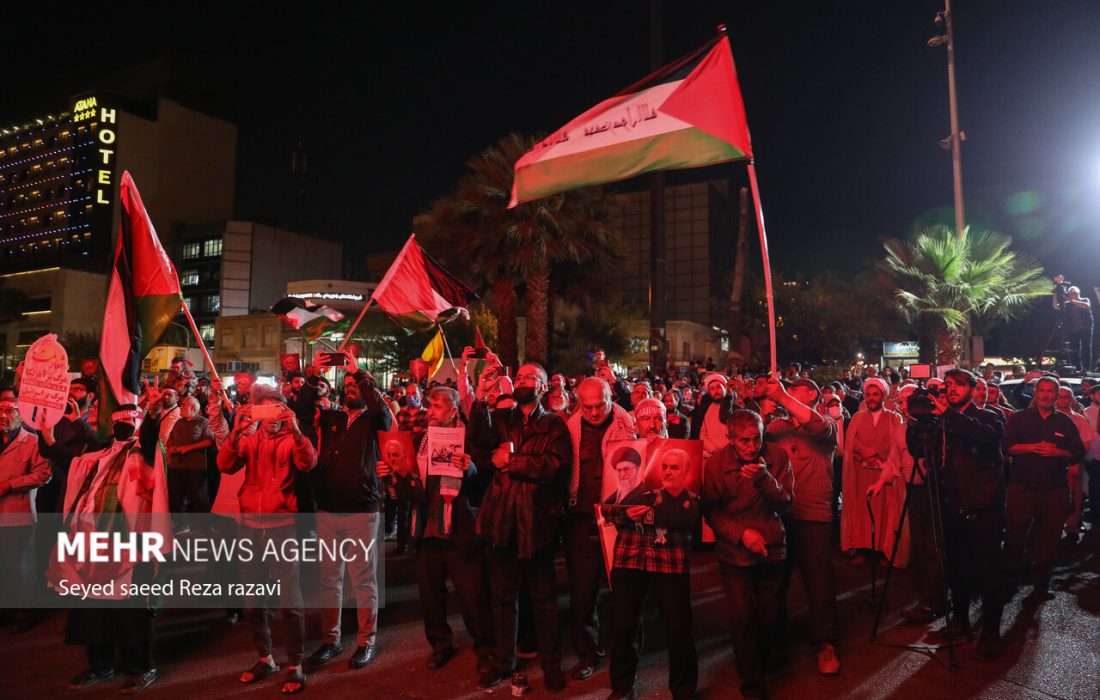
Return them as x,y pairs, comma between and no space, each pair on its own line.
502,247
944,283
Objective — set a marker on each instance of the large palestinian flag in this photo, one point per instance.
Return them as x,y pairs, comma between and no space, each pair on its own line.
685,115
417,293
143,298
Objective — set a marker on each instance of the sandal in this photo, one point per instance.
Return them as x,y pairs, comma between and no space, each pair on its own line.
259,671
294,676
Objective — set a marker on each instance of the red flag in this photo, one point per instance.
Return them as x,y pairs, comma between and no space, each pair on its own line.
417,293
143,298
687,114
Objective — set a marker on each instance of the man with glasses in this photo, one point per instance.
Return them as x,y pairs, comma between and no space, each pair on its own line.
519,519
598,423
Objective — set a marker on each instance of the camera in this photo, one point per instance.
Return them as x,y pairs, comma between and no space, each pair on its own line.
922,405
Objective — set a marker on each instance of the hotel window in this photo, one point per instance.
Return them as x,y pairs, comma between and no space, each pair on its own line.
189,278
191,250
212,247
212,303
206,330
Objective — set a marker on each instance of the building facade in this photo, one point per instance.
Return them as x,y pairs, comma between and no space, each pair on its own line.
59,211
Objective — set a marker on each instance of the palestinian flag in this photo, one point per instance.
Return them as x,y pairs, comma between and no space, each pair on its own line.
417,293
687,114
311,320
142,299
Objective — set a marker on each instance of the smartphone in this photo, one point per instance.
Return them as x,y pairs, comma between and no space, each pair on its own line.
481,353
267,411
333,359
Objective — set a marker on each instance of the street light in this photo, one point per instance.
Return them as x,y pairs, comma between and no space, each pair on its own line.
953,140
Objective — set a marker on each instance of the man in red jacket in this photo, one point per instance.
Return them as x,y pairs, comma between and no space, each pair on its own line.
270,456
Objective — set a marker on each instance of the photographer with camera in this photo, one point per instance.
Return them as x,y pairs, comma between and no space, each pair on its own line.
960,444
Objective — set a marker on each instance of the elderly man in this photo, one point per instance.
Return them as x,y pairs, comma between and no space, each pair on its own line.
520,516
708,422
597,423
1042,443
652,419
627,463
747,486
270,457
448,546
809,440
23,470
652,552
866,449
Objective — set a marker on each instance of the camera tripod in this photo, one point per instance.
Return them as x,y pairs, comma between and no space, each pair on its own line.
932,466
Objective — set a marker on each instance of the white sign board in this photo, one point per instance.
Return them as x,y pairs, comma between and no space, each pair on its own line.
44,390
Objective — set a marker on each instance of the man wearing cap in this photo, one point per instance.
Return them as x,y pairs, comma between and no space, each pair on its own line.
118,480
1042,443
972,509
708,422
598,424
809,440
866,448
22,471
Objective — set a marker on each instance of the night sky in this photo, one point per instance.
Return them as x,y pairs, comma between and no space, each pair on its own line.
845,102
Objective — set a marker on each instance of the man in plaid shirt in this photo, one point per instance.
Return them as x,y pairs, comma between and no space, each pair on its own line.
651,553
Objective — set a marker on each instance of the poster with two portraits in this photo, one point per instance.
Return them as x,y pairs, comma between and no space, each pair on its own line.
631,465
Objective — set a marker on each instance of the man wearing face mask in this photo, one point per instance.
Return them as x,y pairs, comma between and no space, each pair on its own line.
598,423
120,479
519,519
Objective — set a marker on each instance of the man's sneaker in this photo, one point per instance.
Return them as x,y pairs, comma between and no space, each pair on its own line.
90,678
827,662
139,682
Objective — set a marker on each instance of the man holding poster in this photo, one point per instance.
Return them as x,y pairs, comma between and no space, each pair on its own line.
445,511
652,554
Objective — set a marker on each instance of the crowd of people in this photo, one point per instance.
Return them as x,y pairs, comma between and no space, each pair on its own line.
792,465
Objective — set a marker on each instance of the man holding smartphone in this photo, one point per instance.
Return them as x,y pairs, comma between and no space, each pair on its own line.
747,485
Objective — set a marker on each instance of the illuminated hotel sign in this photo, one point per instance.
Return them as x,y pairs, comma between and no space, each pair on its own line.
328,296
106,134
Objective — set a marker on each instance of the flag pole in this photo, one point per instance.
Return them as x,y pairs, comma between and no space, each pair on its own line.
355,325
202,345
447,348
766,261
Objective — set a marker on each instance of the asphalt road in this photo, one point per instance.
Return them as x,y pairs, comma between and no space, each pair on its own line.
1051,652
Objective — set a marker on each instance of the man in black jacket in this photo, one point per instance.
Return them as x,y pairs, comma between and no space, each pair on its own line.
446,540
972,507
519,519
349,496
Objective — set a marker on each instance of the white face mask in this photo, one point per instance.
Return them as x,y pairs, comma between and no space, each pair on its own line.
835,411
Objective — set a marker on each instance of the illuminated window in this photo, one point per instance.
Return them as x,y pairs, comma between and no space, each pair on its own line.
189,278
212,303
212,247
206,330
189,302
191,250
